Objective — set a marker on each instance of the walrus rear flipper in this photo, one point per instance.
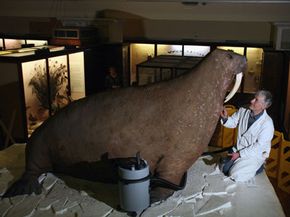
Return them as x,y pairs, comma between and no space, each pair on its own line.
25,185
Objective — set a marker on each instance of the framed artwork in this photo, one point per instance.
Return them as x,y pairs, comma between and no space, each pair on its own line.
35,93
58,83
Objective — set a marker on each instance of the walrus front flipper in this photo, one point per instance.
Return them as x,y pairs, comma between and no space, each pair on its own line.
25,185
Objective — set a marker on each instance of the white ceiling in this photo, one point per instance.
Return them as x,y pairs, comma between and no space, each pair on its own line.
213,10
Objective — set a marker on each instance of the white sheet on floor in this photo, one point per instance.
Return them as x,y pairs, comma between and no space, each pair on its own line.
207,193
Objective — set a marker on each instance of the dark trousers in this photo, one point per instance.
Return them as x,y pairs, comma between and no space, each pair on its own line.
227,166
228,163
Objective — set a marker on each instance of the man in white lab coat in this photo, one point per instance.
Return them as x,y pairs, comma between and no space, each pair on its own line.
255,132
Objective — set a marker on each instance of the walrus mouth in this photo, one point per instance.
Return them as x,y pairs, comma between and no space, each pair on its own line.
235,88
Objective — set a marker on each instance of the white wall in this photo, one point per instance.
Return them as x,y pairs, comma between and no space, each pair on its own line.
162,20
210,31
166,10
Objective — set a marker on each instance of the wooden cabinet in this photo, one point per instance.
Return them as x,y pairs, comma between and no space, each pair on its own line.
287,97
35,86
273,79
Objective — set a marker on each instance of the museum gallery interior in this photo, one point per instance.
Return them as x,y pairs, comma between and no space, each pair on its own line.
56,53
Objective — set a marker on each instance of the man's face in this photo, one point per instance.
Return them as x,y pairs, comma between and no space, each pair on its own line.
258,104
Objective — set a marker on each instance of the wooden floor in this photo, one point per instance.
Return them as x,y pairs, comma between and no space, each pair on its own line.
283,197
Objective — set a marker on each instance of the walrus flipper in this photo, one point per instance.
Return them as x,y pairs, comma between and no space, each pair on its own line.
25,185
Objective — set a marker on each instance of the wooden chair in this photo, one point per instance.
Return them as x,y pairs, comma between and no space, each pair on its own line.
284,167
272,163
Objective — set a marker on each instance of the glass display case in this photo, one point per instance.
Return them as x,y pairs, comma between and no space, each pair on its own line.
36,96
164,67
169,49
144,70
35,42
239,50
21,52
12,43
142,52
77,75
1,44
254,70
196,50
251,78
138,54
39,85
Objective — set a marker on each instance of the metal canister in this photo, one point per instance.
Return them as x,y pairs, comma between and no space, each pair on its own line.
134,181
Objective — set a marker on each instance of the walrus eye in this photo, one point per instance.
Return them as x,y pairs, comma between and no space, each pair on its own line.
230,56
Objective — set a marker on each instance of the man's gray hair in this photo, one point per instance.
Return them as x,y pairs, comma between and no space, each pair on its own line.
267,96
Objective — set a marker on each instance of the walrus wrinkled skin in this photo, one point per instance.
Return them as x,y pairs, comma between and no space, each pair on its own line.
170,123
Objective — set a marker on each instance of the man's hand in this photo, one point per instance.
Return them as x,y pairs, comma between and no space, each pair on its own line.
234,155
224,113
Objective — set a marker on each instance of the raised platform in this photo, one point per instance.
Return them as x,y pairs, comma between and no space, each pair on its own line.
207,193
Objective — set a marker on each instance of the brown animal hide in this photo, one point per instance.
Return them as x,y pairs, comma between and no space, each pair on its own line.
170,123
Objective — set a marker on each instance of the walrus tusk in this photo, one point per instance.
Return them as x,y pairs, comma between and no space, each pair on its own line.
235,88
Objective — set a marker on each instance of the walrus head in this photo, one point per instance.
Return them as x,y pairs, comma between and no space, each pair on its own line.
233,66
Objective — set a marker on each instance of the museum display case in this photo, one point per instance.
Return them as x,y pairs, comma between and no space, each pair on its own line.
141,55
251,78
35,86
13,43
254,70
169,49
139,52
155,62
196,50
1,44
164,67
8,42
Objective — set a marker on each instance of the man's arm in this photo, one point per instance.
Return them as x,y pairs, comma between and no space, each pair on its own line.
232,121
262,145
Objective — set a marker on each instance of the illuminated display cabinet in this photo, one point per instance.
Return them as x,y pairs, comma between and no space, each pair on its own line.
151,63
34,87
7,43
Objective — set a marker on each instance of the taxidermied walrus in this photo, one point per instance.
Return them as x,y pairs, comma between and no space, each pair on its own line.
170,123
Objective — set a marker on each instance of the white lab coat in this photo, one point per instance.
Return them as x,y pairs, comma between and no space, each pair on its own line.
254,144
